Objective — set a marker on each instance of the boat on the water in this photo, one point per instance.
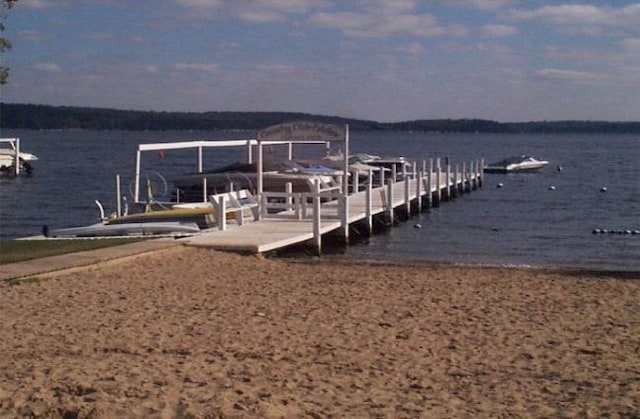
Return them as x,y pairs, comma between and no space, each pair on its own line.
516,164
13,161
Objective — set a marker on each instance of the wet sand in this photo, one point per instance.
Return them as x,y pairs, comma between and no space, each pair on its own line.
196,333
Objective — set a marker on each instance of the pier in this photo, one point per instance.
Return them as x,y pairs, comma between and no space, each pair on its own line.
307,217
364,191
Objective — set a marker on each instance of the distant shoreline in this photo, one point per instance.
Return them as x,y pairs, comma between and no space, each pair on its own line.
43,117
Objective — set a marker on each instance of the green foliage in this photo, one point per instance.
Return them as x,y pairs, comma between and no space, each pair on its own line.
27,116
5,45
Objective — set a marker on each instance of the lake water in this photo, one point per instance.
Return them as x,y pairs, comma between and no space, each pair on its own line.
525,222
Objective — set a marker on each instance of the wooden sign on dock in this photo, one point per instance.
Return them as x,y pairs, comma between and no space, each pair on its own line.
302,131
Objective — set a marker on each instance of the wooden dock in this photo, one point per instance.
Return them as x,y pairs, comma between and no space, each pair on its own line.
307,217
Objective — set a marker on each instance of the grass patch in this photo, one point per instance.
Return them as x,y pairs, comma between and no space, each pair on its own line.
20,250
20,281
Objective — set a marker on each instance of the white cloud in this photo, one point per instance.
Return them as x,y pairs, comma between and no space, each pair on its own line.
583,14
255,11
414,48
197,67
481,4
151,69
48,67
388,7
384,25
35,4
34,36
631,44
201,4
568,75
261,16
100,36
499,30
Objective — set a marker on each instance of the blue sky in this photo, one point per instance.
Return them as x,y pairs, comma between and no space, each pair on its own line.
384,60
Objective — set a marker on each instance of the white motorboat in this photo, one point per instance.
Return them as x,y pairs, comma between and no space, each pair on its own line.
516,164
12,160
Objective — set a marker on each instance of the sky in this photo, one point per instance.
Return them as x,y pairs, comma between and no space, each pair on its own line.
382,60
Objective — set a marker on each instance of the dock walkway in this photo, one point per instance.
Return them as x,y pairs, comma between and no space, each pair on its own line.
296,226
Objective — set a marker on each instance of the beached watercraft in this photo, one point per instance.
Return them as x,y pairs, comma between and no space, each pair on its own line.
125,229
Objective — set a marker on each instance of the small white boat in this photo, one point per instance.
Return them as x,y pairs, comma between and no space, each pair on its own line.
12,160
125,229
516,164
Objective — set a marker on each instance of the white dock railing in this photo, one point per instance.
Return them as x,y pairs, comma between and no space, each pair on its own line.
415,191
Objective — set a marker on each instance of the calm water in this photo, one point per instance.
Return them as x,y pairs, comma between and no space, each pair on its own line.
523,223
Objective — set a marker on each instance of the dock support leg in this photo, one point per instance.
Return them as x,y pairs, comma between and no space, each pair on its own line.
430,185
448,185
317,237
456,184
369,204
419,192
407,201
390,201
344,217
438,183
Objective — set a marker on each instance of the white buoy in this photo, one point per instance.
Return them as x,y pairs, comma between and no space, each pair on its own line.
552,188
500,185
603,189
417,226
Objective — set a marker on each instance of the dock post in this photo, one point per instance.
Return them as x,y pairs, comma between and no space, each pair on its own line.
369,203
430,185
407,200
204,189
438,182
419,192
473,174
118,197
317,238
220,209
463,183
390,201
16,160
481,172
355,183
289,190
448,180
456,180
344,217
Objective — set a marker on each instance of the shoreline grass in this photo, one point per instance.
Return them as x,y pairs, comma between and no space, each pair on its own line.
22,250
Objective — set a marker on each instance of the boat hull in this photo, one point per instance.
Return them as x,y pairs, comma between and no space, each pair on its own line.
126,229
516,165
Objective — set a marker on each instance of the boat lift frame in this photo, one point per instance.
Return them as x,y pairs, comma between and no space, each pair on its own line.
282,134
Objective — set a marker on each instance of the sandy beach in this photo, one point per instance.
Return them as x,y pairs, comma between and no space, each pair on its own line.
194,333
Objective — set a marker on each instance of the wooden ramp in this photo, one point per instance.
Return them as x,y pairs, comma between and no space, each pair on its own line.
261,236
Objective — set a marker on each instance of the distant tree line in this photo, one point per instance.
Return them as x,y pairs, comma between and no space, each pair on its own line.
29,116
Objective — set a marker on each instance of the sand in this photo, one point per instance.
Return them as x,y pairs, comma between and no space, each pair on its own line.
194,333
